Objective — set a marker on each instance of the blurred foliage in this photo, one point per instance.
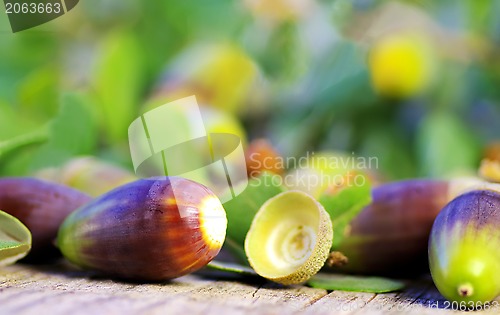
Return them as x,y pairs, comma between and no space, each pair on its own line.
72,86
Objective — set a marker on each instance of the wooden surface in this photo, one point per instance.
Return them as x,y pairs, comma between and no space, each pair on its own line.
61,289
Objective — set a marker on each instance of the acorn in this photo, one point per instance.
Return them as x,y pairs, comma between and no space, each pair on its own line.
149,230
390,235
463,249
42,206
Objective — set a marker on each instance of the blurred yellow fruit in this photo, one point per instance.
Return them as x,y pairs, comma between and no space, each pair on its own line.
490,170
220,75
88,174
217,121
401,65
214,119
229,75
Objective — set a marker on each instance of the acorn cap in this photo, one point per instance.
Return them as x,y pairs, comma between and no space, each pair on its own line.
290,238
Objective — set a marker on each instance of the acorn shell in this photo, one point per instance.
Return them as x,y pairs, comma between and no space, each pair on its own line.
290,238
42,206
464,256
151,229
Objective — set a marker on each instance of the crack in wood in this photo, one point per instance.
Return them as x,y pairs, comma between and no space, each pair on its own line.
255,292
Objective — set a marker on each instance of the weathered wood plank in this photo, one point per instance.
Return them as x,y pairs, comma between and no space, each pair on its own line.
339,302
420,298
26,289
61,289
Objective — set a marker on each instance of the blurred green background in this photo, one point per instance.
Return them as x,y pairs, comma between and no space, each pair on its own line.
414,83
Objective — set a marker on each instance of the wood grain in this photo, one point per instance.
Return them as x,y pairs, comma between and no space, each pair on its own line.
62,289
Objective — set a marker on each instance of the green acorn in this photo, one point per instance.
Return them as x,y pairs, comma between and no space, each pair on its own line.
464,254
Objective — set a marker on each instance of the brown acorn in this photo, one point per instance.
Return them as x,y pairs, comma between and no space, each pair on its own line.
42,206
390,235
148,230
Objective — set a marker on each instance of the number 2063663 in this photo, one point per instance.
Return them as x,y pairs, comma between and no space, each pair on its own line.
26,8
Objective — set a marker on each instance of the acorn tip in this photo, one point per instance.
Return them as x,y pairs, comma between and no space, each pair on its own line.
465,290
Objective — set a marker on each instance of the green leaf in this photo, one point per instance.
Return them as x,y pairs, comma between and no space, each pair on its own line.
479,15
231,267
447,147
21,141
19,162
41,86
386,142
355,283
71,133
283,57
118,82
345,205
15,239
242,209
74,129
236,249
14,123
